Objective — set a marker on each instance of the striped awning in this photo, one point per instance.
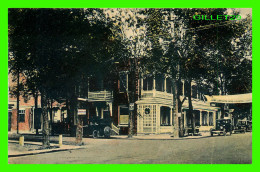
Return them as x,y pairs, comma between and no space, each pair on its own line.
238,98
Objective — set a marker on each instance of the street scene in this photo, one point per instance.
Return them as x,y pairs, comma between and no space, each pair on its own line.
150,150
130,86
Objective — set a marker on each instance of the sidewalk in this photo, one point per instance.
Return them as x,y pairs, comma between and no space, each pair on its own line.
32,148
33,143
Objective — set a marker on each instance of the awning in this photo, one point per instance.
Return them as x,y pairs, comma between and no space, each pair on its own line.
238,98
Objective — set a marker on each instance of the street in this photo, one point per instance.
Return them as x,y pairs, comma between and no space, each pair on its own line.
235,149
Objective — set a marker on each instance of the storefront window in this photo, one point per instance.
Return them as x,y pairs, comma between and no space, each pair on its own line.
204,118
165,116
210,118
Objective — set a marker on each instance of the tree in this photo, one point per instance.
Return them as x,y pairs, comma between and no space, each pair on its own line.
58,40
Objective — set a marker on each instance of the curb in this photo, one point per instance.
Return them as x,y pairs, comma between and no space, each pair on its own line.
42,151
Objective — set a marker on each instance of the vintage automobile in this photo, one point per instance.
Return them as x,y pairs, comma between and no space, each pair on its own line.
189,131
98,127
249,126
243,126
223,126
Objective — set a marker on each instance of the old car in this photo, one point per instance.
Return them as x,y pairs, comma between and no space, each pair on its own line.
189,131
223,126
98,127
242,126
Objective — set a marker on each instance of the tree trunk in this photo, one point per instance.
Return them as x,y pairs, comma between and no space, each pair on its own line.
51,118
45,130
132,100
70,116
18,96
190,111
130,124
35,107
179,107
78,121
175,110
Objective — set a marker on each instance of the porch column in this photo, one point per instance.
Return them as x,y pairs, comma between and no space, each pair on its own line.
185,118
207,118
158,118
214,118
142,84
197,92
164,84
171,117
183,93
200,117
154,83
97,112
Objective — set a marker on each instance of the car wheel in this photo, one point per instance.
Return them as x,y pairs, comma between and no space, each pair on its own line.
107,131
211,133
95,134
224,132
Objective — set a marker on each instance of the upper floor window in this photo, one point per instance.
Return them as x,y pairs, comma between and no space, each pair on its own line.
168,85
21,115
148,83
159,83
194,91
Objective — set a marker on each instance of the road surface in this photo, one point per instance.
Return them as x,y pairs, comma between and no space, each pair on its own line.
235,149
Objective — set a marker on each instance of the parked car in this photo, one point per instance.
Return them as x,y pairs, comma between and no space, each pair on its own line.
189,131
223,126
243,126
240,127
99,127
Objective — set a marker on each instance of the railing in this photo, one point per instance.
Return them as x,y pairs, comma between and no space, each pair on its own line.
100,96
115,129
157,94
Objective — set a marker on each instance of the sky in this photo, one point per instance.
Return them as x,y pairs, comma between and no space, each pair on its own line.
243,11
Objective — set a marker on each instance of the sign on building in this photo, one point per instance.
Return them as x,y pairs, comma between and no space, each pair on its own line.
82,112
131,106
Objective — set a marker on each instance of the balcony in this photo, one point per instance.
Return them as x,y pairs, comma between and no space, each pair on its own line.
100,96
157,94
153,96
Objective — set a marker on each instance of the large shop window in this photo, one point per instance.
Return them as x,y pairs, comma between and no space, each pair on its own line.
204,118
165,116
21,115
211,119
148,83
197,117
123,115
